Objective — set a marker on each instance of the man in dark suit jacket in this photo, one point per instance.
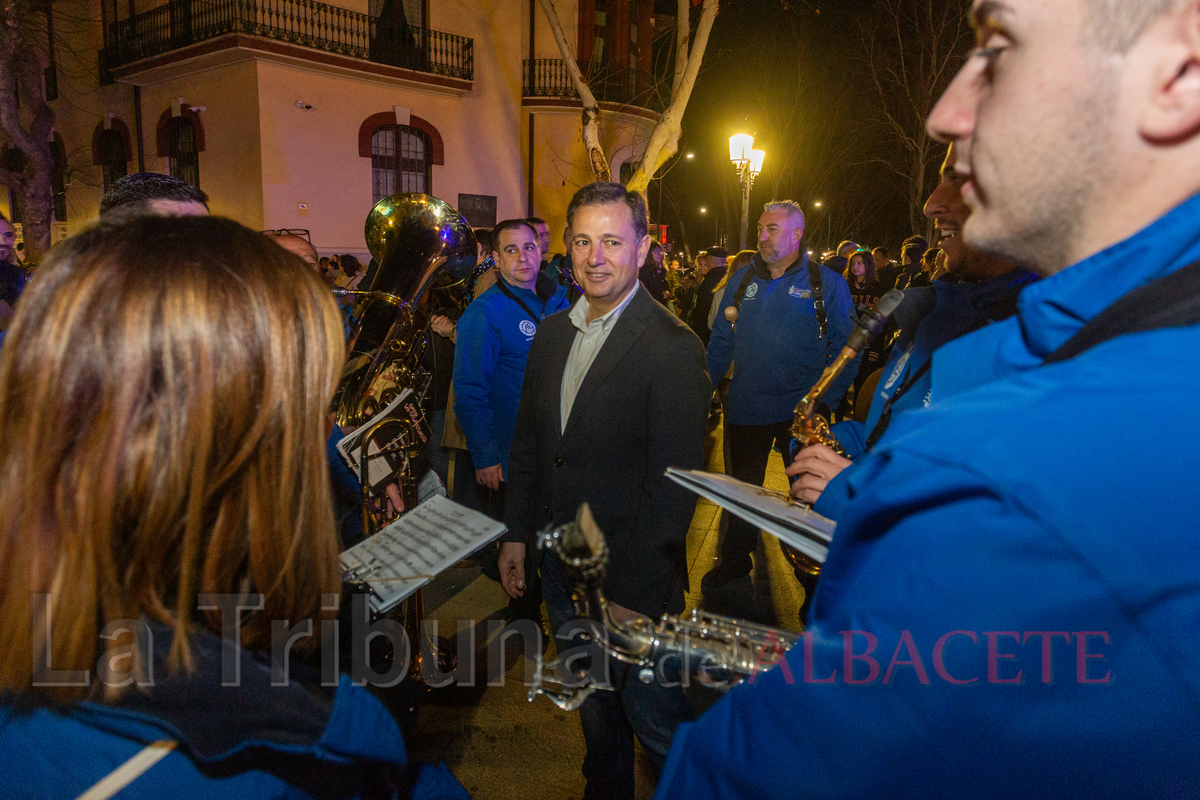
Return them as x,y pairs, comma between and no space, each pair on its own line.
615,392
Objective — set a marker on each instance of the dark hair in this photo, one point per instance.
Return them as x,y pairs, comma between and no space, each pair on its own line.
484,237
536,221
930,256
510,225
914,246
601,194
868,262
349,264
143,187
882,250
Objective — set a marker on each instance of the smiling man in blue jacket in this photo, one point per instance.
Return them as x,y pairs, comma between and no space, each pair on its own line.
492,344
1009,607
793,318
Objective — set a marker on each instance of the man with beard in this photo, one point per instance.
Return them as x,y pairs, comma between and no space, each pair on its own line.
793,318
928,318
1009,601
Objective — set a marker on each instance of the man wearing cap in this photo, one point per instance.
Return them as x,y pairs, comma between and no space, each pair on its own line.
712,273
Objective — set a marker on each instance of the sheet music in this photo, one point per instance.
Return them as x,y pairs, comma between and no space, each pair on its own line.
416,548
381,467
772,511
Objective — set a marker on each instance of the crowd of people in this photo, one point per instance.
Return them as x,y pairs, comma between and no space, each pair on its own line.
1007,602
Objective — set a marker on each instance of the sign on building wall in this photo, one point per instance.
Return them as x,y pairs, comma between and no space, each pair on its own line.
479,209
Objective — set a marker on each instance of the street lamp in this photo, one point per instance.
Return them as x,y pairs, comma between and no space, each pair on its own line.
748,163
704,210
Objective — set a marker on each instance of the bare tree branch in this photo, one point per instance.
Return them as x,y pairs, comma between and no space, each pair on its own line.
597,161
664,140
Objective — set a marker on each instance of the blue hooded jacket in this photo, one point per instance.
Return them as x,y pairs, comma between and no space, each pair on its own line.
777,350
250,740
928,318
1014,583
491,347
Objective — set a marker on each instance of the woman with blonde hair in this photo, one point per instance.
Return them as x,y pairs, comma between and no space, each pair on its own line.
740,260
168,526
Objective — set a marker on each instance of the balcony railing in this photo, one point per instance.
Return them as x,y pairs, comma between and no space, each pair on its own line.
311,24
548,77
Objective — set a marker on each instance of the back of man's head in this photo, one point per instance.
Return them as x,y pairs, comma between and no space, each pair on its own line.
846,248
297,245
601,193
152,193
913,248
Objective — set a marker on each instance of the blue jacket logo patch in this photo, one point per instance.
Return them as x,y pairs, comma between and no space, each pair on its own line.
527,327
801,293
751,290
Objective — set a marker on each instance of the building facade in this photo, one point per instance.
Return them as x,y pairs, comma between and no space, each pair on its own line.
301,114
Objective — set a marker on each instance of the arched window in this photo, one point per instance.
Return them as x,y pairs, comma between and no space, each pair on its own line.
110,152
183,155
401,161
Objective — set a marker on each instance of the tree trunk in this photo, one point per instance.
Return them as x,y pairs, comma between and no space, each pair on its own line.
664,139
597,161
29,174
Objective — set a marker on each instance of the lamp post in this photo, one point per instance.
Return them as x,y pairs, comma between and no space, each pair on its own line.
748,163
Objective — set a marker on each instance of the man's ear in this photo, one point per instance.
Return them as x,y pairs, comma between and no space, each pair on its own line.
643,250
1173,113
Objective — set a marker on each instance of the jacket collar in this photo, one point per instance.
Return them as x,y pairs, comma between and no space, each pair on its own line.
760,266
1054,308
215,722
625,332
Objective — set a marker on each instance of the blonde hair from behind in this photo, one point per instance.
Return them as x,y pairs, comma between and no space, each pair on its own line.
163,397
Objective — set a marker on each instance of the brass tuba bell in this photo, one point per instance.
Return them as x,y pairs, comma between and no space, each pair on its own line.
415,239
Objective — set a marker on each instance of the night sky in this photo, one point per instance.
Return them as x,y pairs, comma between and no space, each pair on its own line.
797,74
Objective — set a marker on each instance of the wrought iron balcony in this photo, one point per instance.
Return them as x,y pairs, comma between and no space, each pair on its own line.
310,24
548,77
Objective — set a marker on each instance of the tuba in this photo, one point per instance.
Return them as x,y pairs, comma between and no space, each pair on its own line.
418,242
722,649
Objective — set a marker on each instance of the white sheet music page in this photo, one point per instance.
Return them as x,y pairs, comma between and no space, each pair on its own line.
416,548
773,512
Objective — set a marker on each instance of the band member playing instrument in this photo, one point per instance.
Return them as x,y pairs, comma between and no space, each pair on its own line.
928,318
163,398
1009,605
615,392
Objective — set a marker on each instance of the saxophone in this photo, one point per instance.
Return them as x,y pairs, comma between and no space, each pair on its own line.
720,649
809,427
